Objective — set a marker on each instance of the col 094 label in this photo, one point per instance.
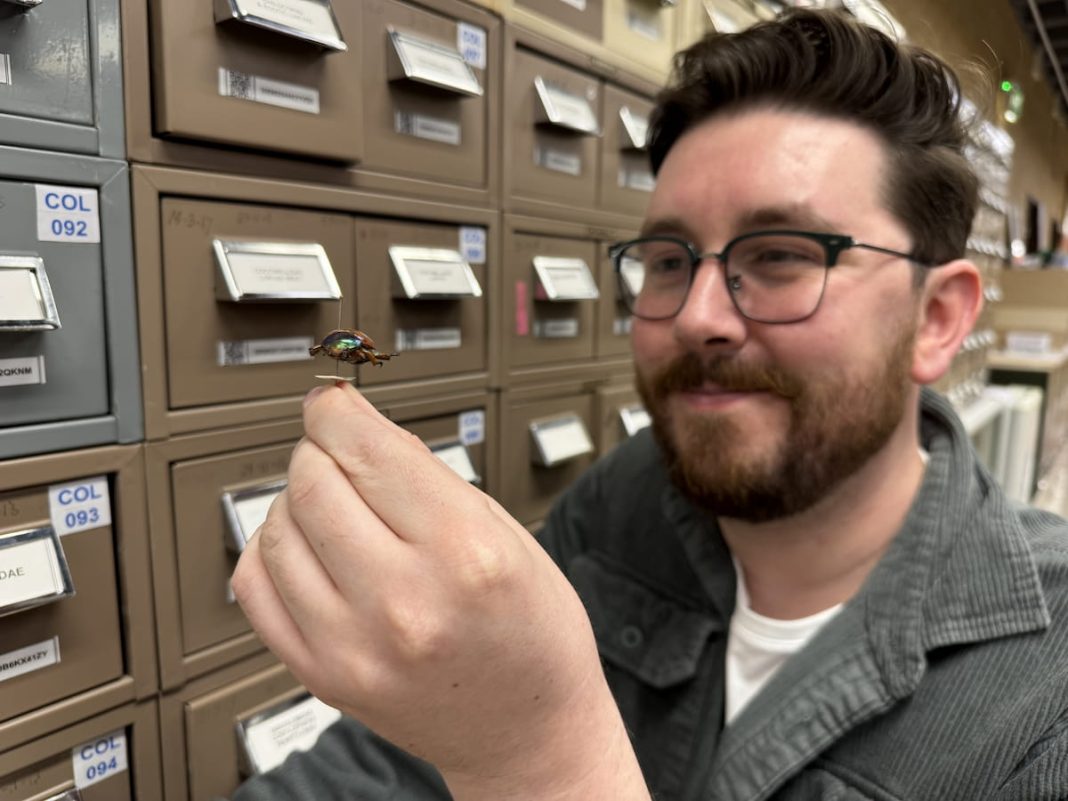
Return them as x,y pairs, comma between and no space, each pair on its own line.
67,214
80,505
100,759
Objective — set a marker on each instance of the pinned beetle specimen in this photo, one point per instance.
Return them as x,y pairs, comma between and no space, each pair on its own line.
351,346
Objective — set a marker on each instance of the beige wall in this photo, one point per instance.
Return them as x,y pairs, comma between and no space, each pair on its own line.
986,32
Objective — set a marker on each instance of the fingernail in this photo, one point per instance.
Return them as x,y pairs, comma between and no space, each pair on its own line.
312,395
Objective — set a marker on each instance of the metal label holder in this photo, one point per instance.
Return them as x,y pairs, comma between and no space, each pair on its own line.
226,10
228,283
62,586
454,453
48,317
430,64
73,794
631,277
547,273
564,110
635,130
232,498
410,284
634,418
548,455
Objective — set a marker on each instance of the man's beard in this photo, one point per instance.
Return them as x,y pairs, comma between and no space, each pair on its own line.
834,428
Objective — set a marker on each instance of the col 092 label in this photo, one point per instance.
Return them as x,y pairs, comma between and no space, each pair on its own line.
67,214
80,505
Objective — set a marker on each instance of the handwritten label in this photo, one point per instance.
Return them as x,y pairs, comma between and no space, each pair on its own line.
100,759
67,214
561,440
28,659
19,372
300,16
472,427
473,244
471,42
79,505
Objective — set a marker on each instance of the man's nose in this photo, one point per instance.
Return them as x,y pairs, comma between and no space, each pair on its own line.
709,319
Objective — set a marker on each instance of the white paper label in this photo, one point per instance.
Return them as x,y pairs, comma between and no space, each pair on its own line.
19,372
79,505
579,4
434,277
471,42
67,214
28,659
100,759
637,179
644,24
473,244
472,427
569,282
264,351
297,728
433,129
571,110
723,23
427,61
428,339
268,91
28,571
563,440
20,295
273,273
556,329
459,460
252,511
557,161
304,16
1029,342
5,69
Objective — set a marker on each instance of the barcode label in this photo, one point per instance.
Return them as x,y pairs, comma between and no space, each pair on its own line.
556,329
5,69
558,162
428,339
436,130
264,351
268,91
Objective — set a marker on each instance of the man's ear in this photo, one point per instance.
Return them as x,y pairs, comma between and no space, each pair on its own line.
951,301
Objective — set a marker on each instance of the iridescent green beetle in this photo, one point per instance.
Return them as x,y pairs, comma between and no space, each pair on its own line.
352,346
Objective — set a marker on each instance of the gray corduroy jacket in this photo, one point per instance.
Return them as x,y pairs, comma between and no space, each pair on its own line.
944,679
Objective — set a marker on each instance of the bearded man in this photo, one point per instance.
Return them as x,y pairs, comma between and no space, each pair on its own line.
802,583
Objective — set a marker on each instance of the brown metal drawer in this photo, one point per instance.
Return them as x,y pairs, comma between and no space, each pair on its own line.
582,16
626,177
239,83
419,296
530,481
620,414
223,350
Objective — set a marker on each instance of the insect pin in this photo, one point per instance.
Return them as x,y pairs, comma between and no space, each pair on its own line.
351,346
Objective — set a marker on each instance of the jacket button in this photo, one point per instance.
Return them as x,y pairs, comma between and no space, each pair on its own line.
631,637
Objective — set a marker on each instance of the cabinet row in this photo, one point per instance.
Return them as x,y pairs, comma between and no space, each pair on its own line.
430,98
236,279
115,561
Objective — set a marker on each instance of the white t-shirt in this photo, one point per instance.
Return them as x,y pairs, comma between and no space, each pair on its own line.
758,646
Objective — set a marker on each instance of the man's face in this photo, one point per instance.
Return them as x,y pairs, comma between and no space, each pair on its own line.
761,421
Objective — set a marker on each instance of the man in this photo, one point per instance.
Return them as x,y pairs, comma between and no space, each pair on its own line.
804,586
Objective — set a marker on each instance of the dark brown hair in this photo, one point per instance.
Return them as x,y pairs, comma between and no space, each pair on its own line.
828,63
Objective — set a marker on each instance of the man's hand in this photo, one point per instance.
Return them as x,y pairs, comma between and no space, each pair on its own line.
406,598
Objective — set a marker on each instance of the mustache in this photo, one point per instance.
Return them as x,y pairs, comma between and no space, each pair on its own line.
689,372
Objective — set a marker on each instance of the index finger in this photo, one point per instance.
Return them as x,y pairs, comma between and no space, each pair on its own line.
411,490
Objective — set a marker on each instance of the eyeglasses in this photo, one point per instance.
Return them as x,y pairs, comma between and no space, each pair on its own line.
772,276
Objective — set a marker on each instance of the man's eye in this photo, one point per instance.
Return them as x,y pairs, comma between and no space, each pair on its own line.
666,264
782,256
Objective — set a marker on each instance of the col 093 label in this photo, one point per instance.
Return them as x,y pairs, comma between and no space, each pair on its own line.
67,214
80,505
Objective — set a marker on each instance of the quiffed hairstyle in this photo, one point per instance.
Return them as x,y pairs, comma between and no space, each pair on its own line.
828,63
